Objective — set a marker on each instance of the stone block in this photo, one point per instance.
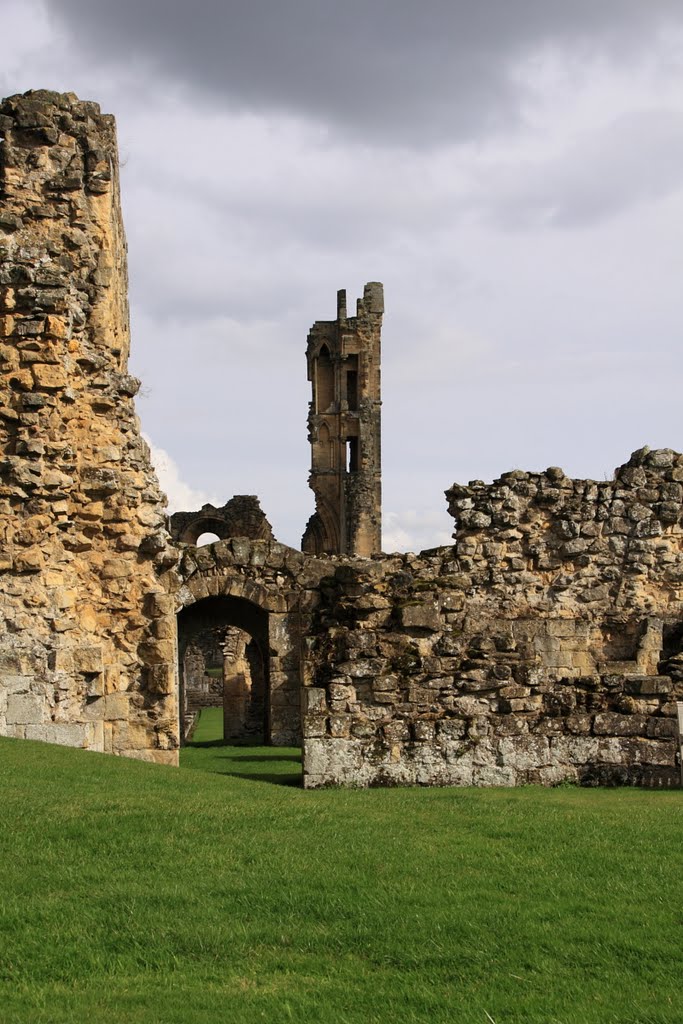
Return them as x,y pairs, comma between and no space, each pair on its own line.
95,685
451,728
553,775
420,695
333,761
579,725
160,604
574,750
340,693
62,733
397,731
157,652
479,728
161,679
88,659
313,698
524,752
127,736
654,752
611,724
115,707
315,725
340,726
16,682
459,770
30,560
26,709
421,616
96,480
515,705
662,728
494,775
424,730
48,377
241,550
381,684
509,725
363,668
648,684
117,568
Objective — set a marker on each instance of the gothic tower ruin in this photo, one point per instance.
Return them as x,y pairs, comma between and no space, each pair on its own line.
343,358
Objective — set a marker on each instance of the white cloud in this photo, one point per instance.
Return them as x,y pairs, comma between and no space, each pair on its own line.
415,530
532,273
181,497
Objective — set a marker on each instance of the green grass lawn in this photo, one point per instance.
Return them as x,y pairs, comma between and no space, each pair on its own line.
208,728
245,760
223,892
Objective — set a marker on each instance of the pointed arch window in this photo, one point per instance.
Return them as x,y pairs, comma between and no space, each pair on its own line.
324,381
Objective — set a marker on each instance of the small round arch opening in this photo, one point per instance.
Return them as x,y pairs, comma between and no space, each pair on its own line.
206,538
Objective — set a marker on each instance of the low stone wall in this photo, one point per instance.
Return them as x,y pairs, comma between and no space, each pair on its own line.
544,646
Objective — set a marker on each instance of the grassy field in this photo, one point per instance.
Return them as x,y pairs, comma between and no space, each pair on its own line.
223,892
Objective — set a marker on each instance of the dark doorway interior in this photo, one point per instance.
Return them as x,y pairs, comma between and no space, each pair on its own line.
223,655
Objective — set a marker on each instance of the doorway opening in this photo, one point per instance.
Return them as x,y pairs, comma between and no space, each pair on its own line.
224,660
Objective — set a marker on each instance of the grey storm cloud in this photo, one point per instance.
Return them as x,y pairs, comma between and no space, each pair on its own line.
637,158
385,70
511,169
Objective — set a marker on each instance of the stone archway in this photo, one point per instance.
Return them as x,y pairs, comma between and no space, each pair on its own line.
225,620
271,619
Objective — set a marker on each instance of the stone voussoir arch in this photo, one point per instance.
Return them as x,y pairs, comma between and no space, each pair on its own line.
263,575
231,584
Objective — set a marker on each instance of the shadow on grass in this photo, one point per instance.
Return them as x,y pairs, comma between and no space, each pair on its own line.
273,778
220,742
246,756
242,759
294,758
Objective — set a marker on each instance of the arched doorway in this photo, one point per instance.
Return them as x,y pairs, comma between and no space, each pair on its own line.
224,660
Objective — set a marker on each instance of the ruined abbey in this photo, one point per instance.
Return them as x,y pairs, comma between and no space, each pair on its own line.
545,645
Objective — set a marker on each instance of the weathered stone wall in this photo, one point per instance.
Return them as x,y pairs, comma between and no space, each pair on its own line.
269,591
87,647
241,516
544,646
205,652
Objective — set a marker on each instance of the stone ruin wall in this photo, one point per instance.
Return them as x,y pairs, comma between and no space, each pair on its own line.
545,645
241,516
87,648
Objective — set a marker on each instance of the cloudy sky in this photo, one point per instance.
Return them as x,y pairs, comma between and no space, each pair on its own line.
512,170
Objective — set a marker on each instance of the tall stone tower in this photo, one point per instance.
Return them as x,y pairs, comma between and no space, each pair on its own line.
87,613
344,429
